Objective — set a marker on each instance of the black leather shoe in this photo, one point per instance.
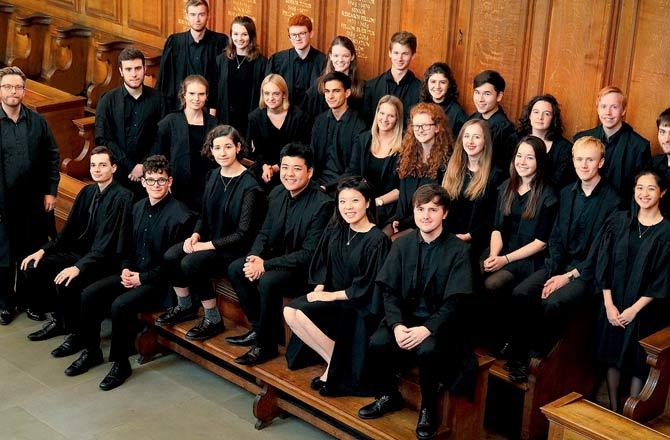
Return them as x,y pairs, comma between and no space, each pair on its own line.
317,383
117,375
84,362
35,316
70,346
426,425
246,340
50,330
519,374
205,329
6,316
385,404
176,314
257,355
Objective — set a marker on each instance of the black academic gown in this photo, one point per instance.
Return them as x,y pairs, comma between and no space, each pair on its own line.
408,91
172,140
221,86
561,169
626,153
352,268
283,63
660,164
502,135
647,276
175,65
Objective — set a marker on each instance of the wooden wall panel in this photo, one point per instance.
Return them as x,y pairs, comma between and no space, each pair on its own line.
104,9
142,16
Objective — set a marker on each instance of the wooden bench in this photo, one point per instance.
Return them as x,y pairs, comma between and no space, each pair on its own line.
28,49
6,11
68,188
281,391
68,58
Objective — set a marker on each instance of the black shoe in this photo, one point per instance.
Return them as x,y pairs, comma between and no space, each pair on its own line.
385,404
35,316
117,375
6,317
317,383
426,426
176,315
519,374
503,351
246,340
205,329
70,346
50,330
84,362
257,355
513,365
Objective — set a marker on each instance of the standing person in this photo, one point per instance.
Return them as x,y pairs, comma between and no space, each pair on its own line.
661,162
439,86
29,165
90,246
626,152
375,157
398,80
471,180
335,132
231,211
426,148
301,65
339,315
489,88
541,117
632,274
275,123
241,69
159,221
126,120
341,58
188,53
278,260
180,137
426,283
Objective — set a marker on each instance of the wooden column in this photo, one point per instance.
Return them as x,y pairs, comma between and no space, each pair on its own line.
69,55
107,74
6,11
28,56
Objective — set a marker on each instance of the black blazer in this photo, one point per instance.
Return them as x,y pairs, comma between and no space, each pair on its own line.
221,85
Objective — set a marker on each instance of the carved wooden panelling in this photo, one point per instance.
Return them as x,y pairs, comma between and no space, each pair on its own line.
73,5
147,16
105,9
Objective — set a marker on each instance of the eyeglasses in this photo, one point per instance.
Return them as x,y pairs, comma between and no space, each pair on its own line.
417,127
298,36
162,181
9,87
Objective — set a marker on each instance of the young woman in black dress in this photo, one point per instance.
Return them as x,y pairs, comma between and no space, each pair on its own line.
439,86
633,257
274,124
339,315
375,156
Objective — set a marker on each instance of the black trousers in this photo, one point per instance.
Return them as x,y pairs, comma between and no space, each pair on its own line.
539,323
261,300
197,270
108,293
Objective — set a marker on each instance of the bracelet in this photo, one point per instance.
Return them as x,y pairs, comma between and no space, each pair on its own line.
506,258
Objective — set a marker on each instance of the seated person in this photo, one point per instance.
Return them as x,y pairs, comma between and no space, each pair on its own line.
439,86
425,282
232,205
661,162
339,315
335,132
90,246
545,301
426,148
159,221
278,260
631,271
626,152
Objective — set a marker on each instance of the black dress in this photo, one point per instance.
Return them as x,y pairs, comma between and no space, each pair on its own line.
353,268
632,267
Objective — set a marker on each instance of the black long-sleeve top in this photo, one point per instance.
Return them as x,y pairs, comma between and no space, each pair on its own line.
292,228
502,135
298,73
561,169
155,229
660,164
455,115
127,126
268,140
626,153
99,233
407,90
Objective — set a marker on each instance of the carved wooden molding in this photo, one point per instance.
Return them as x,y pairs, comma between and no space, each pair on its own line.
6,11
69,56
113,14
77,167
107,54
34,27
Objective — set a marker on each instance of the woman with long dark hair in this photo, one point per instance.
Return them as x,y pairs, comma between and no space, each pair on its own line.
439,86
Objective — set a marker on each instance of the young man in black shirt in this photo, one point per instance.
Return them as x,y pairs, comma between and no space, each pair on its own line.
626,152
29,165
192,52
278,260
426,281
90,246
335,132
398,80
661,162
301,65
159,221
126,119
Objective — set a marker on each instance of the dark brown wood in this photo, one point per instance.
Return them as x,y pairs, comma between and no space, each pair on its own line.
28,56
147,345
265,406
68,188
78,166
68,60
107,74
6,11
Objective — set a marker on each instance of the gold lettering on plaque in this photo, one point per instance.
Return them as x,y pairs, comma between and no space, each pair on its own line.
292,7
358,24
241,7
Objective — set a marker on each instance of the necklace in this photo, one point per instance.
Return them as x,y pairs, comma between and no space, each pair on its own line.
349,237
226,185
237,59
640,232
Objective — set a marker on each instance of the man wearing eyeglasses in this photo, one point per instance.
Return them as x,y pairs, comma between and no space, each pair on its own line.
159,221
29,179
300,66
